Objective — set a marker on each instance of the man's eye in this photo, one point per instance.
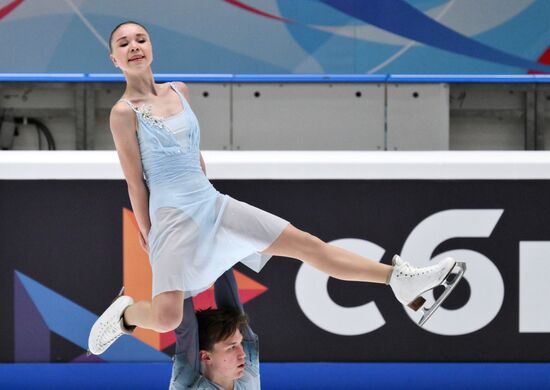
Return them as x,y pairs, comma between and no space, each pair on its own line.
142,41
123,44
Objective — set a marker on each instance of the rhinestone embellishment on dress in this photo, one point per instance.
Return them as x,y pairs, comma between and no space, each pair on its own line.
145,111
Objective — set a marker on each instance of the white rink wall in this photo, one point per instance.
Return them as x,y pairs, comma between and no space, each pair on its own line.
63,165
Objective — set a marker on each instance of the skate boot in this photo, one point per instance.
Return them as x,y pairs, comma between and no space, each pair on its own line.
109,326
409,283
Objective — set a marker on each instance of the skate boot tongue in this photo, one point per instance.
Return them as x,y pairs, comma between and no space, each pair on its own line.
397,260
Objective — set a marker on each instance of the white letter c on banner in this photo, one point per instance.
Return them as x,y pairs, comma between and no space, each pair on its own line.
319,308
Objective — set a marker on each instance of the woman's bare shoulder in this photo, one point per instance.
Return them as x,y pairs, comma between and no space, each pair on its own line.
122,115
182,87
121,108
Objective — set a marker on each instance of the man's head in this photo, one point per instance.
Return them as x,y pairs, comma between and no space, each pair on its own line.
220,343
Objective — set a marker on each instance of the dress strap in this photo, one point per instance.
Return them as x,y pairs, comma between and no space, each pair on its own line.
129,104
176,89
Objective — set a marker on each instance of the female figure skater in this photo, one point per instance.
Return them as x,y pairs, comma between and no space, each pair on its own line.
192,232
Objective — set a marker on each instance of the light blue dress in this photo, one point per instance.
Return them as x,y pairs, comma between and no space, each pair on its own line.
196,232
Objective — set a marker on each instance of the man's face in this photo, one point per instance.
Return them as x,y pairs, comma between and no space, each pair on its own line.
227,357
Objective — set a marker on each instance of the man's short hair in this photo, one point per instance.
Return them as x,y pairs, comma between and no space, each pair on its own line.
217,325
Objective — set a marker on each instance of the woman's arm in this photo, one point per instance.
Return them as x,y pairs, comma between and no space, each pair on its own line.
123,127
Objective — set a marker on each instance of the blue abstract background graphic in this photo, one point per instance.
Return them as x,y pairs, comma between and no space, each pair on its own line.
46,310
284,36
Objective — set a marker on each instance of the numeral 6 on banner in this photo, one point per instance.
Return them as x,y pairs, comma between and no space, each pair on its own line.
484,279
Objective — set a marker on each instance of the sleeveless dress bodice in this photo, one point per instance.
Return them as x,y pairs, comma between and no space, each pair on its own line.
170,157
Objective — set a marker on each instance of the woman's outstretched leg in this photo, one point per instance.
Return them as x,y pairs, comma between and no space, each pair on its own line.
162,314
336,262
406,281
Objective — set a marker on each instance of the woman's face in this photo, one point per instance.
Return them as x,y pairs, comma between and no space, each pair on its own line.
132,49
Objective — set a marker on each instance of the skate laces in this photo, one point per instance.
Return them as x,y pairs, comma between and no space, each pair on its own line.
406,270
110,331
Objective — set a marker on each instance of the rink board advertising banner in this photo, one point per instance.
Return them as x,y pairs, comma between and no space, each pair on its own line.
69,245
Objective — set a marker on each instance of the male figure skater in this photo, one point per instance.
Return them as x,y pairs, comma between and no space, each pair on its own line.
216,349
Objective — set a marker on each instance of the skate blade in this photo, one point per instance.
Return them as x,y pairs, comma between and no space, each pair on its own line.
456,274
121,292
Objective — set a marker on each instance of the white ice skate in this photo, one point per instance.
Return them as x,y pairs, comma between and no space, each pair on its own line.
409,283
109,326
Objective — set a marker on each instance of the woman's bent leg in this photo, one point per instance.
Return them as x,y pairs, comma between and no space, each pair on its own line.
336,262
164,313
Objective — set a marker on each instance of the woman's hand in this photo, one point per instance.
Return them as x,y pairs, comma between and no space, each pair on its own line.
143,242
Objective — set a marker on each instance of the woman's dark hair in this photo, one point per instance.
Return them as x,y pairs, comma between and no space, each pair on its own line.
217,325
120,25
